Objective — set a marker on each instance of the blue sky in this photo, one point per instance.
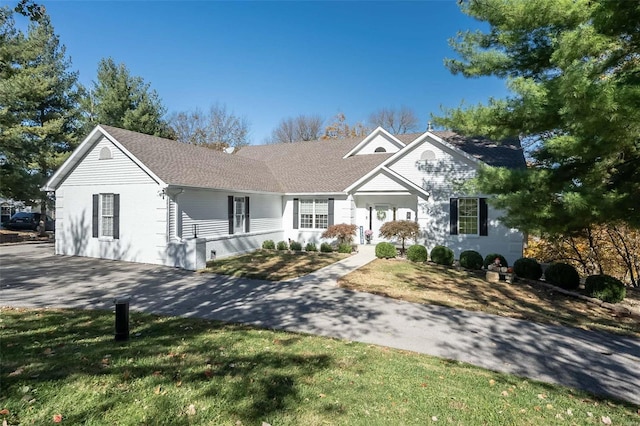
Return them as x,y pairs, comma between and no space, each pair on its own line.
271,60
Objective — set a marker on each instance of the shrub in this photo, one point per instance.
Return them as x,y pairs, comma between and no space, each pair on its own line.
605,288
385,250
345,248
562,275
295,246
326,248
268,245
342,231
282,245
490,258
471,259
442,255
527,267
311,247
417,253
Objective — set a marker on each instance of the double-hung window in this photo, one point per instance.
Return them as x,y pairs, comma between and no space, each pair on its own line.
106,215
239,214
468,216
314,214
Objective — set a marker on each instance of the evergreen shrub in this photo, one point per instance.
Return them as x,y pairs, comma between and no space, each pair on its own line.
562,275
268,245
344,248
417,253
527,267
442,255
326,248
385,250
471,259
606,288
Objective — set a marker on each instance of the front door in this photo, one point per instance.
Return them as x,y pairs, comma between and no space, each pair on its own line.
380,216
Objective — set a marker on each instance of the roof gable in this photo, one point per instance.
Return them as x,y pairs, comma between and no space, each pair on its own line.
378,141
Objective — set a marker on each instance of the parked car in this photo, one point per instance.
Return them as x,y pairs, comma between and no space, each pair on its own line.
24,221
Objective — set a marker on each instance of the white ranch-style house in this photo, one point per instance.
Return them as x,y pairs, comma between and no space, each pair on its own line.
134,197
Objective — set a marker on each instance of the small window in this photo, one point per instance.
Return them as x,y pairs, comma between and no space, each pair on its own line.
428,155
380,149
240,215
408,215
105,154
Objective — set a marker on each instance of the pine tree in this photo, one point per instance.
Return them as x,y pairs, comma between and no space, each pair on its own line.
574,69
119,99
38,107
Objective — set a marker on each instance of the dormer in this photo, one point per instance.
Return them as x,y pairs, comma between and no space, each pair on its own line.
378,142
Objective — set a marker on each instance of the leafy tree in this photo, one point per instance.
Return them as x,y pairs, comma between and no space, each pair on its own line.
122,100
402,229
38,107
395,121
340,129
300,128
344,232
573,67
219,129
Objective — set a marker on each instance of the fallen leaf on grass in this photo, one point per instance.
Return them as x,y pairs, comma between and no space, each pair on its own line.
57,418
542,396
18,371
191,410
322,395
606,420
505,393
4,423
4,412
492,382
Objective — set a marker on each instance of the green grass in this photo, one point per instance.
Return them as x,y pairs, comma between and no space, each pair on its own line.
176,371
273,265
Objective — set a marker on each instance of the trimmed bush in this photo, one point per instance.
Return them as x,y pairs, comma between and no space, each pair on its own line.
311,247
527,267
471,259
282,245
385,251
606,288
562,275
326,248
345,248
442,255
490,259
268,245
417,253
295,246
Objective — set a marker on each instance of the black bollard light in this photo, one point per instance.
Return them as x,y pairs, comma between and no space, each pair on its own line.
122,319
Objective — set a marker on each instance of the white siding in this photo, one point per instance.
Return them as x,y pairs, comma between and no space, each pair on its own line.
382,182
342,210
93,171
379,141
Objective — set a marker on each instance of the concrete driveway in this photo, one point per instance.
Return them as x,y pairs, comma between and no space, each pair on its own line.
31,276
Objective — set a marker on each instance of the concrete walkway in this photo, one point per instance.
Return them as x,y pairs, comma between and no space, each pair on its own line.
31,276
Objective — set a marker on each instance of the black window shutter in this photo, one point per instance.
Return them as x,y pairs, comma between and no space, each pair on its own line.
453,216
331,215
95,217
230,213
296,203
246,214
484,217
116,216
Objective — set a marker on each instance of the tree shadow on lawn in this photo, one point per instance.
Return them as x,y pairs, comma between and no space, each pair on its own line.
244,370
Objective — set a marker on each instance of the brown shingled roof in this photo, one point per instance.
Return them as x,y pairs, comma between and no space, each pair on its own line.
189,165
315,166
505,154
301,167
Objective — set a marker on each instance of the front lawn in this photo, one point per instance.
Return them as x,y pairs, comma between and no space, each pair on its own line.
432,284
273,265
64,366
